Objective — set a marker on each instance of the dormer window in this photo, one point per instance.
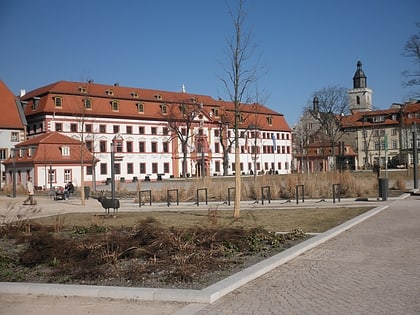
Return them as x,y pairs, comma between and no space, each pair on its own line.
58,101
134,94
158,96
270,120
164,109
65,151
241,119
140,108
35,102
115,106
194,100
109,92
215,112
82,89
87,103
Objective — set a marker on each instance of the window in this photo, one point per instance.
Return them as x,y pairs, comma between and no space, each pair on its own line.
154,131
14,136
102,128
165,131
67,176
58,127
82,89
142,147
394,132
114,106
118,146
65,151
89,170
88,128
102,146
270,120
129,146
166,167
134,94
73,127
140,108
130,168
104,169
184,131
117,168
141,130
158,97
52,176
116,129
88,103
165,147
109,92
3,154
217,166
129,129
216,147
154,168
142,168
58,101
89,145
154,147
164,108
217,133
215,112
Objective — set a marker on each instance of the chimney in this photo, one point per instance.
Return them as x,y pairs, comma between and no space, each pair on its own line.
22,92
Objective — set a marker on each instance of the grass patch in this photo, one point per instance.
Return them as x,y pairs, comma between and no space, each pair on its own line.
310,220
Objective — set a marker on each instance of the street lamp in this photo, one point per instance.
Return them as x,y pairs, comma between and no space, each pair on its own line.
415,157
117,139
14,174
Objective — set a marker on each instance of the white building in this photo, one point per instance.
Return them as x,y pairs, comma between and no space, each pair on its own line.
146,129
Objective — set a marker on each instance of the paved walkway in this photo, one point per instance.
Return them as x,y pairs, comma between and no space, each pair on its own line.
372,268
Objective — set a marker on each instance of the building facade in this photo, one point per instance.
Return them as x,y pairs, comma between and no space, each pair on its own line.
12,127
159,134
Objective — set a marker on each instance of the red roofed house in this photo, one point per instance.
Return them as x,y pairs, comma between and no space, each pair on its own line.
12,126
144,128
50,158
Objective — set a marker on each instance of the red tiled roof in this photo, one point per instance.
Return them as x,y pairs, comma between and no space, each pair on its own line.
10,117
101,102
47,148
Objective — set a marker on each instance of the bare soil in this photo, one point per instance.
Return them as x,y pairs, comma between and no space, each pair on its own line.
183,249
145,255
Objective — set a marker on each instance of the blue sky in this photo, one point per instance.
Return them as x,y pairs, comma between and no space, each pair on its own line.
303,45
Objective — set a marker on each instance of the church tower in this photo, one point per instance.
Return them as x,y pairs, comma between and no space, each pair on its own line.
360,95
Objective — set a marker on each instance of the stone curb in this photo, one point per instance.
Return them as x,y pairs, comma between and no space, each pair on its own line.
204,296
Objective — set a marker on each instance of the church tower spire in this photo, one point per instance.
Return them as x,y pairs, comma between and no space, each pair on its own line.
360,96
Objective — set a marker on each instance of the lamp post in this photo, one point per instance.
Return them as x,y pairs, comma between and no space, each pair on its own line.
14,174
202,159
415,157
117,138
112,171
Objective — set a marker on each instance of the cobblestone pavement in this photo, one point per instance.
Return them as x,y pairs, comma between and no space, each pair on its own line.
373,268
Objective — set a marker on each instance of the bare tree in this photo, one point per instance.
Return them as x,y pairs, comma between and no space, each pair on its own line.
82,105
180,117
329,106
226,142
305,133
237,81
412,50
